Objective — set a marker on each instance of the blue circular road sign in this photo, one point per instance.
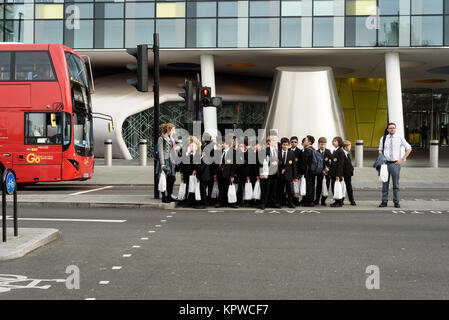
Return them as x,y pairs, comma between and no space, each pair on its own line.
10,183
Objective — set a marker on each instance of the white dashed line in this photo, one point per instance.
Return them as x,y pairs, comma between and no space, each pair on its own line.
173,212
143,238
169,216
151,231
116,267
163,220
103,282
136,246
127,255
158,226
90,299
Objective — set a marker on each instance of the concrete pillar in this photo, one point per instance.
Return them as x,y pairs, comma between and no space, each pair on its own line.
359,153
208,80
434,145
108,152
143,152
394,91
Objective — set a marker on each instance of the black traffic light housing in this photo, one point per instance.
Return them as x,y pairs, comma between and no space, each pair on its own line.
141,54
205,96
187,95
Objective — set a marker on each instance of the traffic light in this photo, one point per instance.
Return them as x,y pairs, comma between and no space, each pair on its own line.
187,95
141,54
205,96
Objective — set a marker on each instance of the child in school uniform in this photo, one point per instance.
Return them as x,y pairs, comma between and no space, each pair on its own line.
348,171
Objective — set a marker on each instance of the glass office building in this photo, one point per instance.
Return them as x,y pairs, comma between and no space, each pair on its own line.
108,24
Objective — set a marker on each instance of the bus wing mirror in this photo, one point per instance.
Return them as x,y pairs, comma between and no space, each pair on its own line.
111,127
53,120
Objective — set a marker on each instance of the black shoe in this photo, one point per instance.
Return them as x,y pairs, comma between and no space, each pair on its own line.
218,205
309,204
165,200
396,205
262,207
353,203
382,205
200,207
277,205
323,203
336,204
290,205
233,206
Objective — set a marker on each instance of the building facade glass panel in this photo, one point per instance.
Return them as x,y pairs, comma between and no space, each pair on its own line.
328,32
84,10
139,10
357,33
264,8
171,10
291,32
233,32
48,31
361,7
108,34
264,32
201,33
82,37
233,8
427,30
388,7
201,9
427,6
291,8
138,32
49,11
17,11
109,10
388,31
171,33
329,7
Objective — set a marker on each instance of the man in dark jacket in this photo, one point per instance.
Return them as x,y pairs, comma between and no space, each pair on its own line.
308,200
226,173
327,158
336,170
299,162
287,173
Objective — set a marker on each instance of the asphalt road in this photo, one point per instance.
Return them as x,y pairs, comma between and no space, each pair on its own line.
235,255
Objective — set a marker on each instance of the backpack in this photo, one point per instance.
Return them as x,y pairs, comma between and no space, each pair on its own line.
317,165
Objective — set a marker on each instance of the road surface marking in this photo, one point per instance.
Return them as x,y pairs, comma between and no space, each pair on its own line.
82,192
103,282
116,267
151,231
90,299
158,226
69,220
136,246
127,255
163,220
143,238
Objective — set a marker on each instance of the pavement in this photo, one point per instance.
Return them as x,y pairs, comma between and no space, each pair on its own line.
27,240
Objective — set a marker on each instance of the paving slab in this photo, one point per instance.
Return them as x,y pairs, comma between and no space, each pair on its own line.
28,240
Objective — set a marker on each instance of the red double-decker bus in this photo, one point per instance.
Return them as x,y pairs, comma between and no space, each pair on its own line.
46,129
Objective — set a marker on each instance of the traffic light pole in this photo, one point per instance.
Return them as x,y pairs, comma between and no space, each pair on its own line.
156,108
198,89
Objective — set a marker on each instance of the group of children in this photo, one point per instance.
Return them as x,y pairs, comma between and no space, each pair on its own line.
274,165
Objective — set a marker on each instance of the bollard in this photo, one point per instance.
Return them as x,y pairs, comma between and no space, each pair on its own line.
143,152
9,187
359,153
434,153
108,152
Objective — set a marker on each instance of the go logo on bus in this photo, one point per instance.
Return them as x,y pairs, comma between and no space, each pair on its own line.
32,158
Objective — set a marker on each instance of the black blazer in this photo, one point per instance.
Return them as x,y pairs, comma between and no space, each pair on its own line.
348,169
289,166
338,158
299,161
327,158
229,167
307,158
267,153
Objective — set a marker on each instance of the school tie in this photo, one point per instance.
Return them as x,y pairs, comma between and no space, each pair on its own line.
349,158
222,160
283,156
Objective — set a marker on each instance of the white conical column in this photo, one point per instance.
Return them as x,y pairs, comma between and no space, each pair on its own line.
208,80
394,91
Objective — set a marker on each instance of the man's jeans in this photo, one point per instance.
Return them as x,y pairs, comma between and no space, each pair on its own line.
393,171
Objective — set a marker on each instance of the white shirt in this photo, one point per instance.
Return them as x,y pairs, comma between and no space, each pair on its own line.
395,142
